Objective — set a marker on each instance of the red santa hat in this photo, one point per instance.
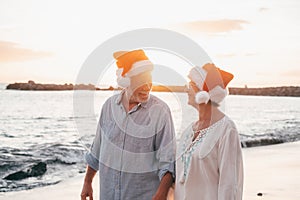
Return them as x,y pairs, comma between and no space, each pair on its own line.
131,63
211,81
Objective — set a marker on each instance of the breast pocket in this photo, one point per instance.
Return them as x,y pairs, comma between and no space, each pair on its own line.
110,131
139,145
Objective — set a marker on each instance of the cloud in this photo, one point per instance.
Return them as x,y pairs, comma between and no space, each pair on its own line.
12,52
6,27
230,55
215,26
250,54
291,73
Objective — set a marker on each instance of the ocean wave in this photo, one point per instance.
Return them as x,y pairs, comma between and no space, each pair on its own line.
276,136
6,135
8,186
39,165
260,142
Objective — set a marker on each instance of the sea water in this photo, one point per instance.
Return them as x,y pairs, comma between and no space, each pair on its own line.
41,126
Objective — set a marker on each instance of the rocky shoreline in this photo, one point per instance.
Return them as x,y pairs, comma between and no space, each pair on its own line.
293,91
31,85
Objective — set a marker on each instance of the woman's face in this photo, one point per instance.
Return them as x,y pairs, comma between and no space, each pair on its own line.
191,90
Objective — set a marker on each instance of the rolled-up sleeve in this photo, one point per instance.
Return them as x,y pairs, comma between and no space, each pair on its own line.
92,157
166,145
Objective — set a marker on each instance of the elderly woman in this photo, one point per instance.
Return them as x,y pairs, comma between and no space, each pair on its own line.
209,163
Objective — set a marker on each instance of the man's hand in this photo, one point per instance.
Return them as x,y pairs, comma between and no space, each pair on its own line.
163,189
87,191
159,196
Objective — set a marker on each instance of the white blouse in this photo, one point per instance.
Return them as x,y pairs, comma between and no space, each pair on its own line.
211,166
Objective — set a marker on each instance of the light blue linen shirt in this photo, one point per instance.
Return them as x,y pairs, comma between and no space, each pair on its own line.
133,150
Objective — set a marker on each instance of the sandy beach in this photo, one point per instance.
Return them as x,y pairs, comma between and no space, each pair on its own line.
271,170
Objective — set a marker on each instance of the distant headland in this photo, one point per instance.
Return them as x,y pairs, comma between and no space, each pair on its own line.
293,91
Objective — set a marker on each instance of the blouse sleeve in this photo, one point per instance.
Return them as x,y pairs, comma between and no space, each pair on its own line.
230,167
92,157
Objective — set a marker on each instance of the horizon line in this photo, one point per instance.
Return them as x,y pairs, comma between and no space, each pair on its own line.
115,86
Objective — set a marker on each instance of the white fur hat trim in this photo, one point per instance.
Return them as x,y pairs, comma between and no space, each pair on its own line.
197,75
123,82
140,67
137,68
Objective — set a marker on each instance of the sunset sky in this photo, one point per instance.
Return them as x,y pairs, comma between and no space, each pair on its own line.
48,41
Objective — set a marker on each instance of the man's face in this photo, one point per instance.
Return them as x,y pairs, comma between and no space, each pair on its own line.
141,94
140,87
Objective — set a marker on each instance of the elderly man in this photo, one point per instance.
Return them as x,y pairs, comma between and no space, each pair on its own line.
134,145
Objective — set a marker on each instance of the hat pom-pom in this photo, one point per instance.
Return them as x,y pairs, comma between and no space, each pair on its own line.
202,97
217,94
